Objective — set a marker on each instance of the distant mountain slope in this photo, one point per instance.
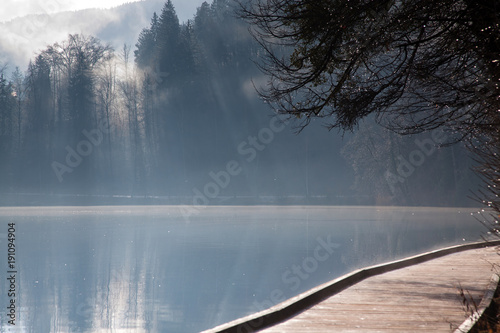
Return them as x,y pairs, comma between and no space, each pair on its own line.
21,38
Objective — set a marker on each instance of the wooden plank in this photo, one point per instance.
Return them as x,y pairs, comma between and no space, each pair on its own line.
424,297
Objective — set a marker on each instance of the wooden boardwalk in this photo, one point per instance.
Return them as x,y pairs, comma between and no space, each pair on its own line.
423,297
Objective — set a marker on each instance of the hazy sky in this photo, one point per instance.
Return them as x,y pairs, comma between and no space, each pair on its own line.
21,39
13,8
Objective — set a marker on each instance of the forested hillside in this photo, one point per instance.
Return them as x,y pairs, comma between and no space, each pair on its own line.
175,119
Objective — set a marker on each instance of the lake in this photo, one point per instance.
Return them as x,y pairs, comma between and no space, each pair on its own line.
156,269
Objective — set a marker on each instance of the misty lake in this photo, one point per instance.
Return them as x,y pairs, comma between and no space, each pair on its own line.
152,269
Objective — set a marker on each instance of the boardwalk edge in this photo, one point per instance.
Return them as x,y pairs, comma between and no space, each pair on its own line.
305,300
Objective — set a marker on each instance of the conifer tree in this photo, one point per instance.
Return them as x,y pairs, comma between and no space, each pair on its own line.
168,40
145,54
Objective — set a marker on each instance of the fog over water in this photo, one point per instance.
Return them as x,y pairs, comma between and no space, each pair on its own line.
102,269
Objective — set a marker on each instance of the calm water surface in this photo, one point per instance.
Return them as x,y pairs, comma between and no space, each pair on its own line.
153,269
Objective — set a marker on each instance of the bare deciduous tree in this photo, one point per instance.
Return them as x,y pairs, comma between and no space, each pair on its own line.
417,65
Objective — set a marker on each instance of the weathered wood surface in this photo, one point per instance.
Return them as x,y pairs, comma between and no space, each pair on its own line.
420,298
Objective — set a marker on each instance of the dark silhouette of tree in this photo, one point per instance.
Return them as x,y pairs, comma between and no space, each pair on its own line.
221,35
8,101
106,100
73,66
417,65
87,53
186,49
40,122
7,111
207,33
165,48
64,102
146,44
19,92
169,42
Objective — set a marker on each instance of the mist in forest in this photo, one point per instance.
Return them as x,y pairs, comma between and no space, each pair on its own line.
174,117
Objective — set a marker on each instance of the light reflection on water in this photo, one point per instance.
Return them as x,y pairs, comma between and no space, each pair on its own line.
149,269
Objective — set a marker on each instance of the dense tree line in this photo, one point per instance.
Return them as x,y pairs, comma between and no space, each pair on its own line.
159,119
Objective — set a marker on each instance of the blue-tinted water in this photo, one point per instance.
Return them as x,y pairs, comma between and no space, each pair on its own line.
156,269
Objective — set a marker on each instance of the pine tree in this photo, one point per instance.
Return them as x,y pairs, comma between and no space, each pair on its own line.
37,147
7,113
7,128
146,52
19,92
168,40
187,46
